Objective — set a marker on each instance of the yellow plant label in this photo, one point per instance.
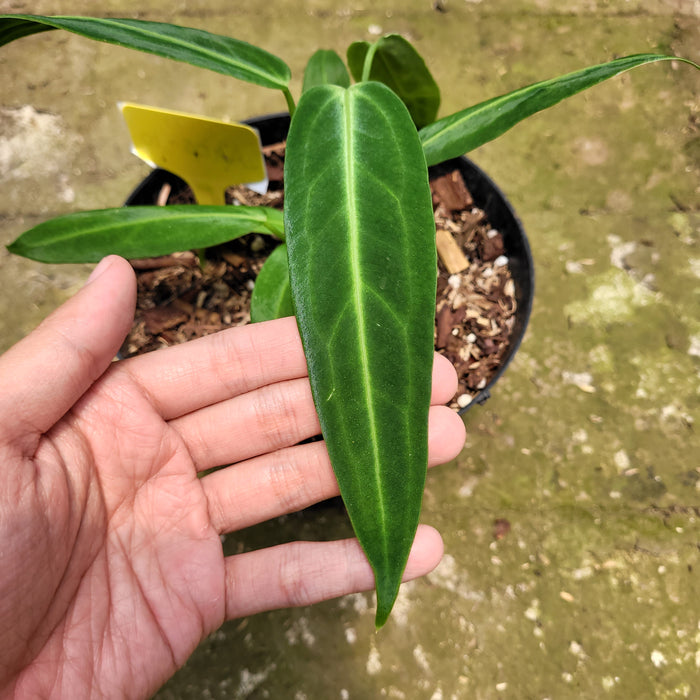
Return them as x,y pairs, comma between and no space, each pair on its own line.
210,155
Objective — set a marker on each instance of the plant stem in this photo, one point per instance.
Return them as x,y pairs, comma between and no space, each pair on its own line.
367,67
291,106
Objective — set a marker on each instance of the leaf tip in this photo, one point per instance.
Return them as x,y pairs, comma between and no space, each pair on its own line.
381,618
385,604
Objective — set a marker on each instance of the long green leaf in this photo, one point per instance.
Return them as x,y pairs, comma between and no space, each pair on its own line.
361,238
141,232
272,296
222,54
325,67
463,131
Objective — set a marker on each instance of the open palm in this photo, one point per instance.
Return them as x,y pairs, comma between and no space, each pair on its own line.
111,564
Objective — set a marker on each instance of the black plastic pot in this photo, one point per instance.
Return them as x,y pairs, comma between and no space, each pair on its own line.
500,214
486,194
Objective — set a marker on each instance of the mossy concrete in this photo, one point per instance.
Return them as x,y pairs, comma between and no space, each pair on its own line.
571,519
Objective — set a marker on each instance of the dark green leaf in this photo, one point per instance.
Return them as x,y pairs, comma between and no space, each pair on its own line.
463,131
199,48
12,28
394,62
272,297
325,67
141,232
361,237
356,53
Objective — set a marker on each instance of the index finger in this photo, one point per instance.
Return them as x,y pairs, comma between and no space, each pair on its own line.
236,361
202,372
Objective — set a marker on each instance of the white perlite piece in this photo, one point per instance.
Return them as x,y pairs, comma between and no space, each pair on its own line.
463,400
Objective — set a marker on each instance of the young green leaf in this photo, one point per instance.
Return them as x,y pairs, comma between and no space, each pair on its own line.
222,54
272,296
141,232
361,238
463,131
394,61
356,53
325,67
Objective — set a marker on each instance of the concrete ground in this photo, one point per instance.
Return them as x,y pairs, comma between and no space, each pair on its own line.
571,519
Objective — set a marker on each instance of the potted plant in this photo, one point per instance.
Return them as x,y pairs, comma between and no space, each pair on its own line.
359,237
485,268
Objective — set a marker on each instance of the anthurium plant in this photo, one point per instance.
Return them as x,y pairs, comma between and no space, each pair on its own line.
359,241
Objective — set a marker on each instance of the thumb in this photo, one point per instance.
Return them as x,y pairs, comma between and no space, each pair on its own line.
44,374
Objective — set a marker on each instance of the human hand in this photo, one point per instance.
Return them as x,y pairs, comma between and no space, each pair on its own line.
111,564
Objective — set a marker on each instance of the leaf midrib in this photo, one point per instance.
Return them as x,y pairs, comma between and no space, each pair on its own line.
357,284
173,213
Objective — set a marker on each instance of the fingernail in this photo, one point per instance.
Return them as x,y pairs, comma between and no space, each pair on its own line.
101,267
